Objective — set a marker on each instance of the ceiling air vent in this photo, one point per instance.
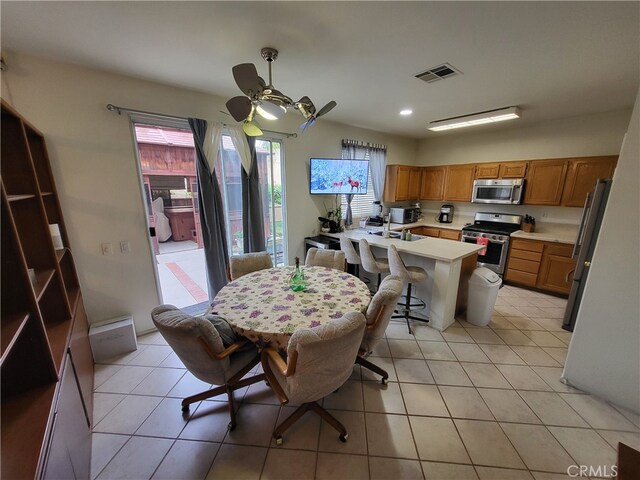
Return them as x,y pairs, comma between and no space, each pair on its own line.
438,73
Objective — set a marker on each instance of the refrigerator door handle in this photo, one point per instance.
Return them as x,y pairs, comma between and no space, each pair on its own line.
583,222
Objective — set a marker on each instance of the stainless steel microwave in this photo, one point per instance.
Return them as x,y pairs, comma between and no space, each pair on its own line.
404,215
498,191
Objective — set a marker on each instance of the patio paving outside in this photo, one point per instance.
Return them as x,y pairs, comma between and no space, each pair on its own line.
182,275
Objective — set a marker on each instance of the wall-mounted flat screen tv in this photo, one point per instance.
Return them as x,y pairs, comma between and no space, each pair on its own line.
332,176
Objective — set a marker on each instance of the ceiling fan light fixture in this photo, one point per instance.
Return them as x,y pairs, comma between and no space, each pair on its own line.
270,110
264,99
405,112
490,116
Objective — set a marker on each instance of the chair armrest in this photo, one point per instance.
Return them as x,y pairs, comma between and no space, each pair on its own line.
226,352
267,356
273,355
231,348
372,326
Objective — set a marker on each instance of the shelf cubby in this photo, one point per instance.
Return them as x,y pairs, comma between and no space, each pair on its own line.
17,174
69,277
40,159
32,229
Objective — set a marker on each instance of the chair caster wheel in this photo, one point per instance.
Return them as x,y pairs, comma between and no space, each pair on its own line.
383,381
231,426
343,438
279,440
185,408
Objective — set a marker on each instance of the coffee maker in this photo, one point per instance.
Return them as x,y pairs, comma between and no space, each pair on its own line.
376,215
446,214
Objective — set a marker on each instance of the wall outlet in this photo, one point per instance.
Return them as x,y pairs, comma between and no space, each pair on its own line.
107,249
125,247
544,214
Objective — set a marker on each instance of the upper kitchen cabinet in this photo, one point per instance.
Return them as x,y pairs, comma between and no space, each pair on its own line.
402,183
545,181
513,170
501,170
432,183
458,183
582,176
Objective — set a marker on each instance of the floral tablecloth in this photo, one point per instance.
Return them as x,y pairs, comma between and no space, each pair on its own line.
262,307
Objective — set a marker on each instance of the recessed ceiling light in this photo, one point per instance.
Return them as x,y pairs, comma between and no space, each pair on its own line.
406,111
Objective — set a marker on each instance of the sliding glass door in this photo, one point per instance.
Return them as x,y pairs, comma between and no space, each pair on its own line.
271,171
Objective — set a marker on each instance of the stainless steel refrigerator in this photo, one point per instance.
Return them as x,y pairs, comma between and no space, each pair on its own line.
585,244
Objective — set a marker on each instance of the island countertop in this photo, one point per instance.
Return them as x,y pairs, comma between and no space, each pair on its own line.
434,248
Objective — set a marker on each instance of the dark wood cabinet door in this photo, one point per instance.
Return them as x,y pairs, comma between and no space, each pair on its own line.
432,187
459,183
582,176
70,446
82,358
545,181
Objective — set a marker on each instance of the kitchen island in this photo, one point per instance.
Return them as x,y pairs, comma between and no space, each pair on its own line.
448,264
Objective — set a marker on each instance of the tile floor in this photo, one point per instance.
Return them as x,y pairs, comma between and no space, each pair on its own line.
470,403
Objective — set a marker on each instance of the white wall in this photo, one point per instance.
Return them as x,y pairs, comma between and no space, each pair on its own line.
588,135
604,354
92,158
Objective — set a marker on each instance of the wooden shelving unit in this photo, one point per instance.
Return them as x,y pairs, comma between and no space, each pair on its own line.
43,326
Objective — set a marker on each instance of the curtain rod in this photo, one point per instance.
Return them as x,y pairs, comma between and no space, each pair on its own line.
120,110
358,143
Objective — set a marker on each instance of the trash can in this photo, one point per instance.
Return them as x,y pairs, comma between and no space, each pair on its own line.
483,291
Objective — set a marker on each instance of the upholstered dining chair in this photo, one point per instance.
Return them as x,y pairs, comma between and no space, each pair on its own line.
319,361
240,265
378,316
370,263
317,257
200,347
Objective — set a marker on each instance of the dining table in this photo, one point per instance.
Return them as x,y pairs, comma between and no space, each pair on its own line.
262,307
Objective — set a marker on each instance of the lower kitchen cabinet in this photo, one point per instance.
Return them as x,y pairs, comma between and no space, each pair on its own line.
546,266
444,233
556,269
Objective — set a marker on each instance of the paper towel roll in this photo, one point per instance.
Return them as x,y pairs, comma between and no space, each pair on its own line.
54,230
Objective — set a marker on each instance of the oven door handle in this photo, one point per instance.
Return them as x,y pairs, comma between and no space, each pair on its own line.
501,242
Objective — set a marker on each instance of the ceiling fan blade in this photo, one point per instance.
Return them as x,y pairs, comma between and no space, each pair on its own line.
252,129
239,107
307,124
247,79
326,109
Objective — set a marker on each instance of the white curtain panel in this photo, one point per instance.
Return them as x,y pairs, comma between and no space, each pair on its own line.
378,165
239,140
213,143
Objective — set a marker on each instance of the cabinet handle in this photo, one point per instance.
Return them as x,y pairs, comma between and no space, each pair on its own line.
566,279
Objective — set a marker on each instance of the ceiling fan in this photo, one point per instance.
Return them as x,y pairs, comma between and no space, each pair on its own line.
263,99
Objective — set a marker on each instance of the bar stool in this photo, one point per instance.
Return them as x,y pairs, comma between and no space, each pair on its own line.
353,259
410,275
370,263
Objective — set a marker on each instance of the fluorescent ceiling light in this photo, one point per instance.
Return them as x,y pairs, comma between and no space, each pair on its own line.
491,116
406,111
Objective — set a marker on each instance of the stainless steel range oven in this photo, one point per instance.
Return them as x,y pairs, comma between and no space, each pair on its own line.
494,229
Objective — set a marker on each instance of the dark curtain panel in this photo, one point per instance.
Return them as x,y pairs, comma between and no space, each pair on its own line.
252,215
211,213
